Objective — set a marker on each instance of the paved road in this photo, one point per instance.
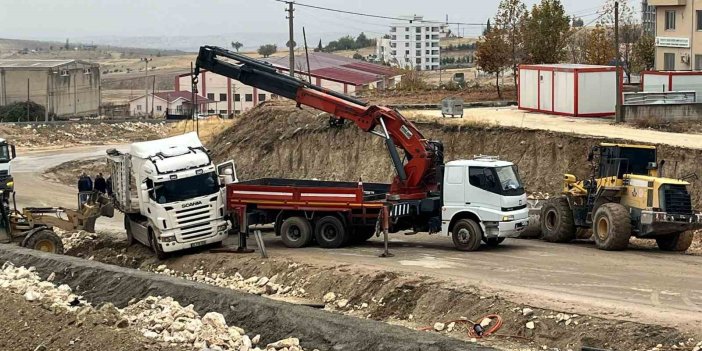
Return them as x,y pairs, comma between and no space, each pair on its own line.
642,285
513,117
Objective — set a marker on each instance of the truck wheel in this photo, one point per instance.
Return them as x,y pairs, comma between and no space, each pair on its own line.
675,242
296,232
467,235
557,225
330,233
494,242
47,241
128,229
612,227
156,248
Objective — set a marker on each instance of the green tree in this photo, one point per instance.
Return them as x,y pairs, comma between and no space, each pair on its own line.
487,29
67,46
576,42
629,30
237,45
644,53
511,16
362,41
319,47
599,49
578,22
545,33
267,50
493,54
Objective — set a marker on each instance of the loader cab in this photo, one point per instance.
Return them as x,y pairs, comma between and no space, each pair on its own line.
616,160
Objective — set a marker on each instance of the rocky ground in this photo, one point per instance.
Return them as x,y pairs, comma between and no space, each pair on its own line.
68,173
412,301
152,323
33,136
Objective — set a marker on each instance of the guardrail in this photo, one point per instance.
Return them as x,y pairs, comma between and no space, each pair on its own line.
660,98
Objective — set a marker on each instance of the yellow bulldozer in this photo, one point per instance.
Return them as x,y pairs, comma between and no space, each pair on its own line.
626,194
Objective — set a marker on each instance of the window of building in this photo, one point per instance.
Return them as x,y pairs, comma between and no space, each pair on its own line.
427,37
406,45
670,20
274,97
418,37
394,37
418,53
406,52
393,29
237,97
406,37
428,52
418,29
406,29
210,111
159,108
249,97
236,112
419,45
222,97
698,62
138,107
210,96
427,29
668,61
419,60
699,20
261,97
222,112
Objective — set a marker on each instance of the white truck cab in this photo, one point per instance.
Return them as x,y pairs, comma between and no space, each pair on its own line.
486,192
7,154
171,193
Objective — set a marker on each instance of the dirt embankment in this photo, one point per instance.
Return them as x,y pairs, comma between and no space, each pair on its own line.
77,133
486,93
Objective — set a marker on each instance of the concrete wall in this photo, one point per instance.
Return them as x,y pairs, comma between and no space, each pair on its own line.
668,112
62,90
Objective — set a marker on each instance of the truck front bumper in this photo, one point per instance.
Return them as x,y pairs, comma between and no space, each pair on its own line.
168,245
510,229
661,223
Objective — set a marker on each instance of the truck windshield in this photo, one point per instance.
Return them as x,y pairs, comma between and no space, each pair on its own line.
185,188
4,153
510,183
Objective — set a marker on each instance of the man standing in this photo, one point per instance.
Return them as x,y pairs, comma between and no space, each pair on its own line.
100,183
85,183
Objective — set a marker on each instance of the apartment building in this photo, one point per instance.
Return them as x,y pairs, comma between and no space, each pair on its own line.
678,34
413,44
648,18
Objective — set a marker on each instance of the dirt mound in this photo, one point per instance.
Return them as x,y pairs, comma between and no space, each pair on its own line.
278,140
68,173
77,133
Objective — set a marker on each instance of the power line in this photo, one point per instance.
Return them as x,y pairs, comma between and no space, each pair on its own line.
379,16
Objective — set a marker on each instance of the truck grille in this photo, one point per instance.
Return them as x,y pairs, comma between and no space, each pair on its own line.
194,222
4,173
677,200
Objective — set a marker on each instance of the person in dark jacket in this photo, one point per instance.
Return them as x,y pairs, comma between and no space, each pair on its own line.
100,183
108,185
85,183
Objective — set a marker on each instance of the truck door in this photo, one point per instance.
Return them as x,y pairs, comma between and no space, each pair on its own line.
454,192
227,172
483,188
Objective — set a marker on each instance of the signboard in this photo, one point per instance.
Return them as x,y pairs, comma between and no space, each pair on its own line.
672,42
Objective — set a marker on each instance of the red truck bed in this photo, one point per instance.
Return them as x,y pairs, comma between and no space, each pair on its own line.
306,195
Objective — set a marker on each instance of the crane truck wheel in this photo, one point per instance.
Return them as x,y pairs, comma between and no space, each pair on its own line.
155,247
612,227
296,232
557,224
128,229
675,242
45,240
467,235
330,232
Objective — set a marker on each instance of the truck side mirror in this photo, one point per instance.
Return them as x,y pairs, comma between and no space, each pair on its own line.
13,152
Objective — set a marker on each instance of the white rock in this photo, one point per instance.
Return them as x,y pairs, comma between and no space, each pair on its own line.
485,322
530,325
450,326
214,319
150,334
32,295
256,339
245,344
329,297
438,326
527,311
289,342
342,303
262,282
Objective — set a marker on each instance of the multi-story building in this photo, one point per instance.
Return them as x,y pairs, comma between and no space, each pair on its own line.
413,44
648,18
678,34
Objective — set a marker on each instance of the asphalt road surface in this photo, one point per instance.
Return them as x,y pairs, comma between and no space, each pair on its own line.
643,285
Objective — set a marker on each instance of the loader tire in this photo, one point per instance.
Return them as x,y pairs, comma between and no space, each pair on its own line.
467,235
557,224
45,240
679,242
612,227
296,232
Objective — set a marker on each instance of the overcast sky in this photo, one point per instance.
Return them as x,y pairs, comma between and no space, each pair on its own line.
57,19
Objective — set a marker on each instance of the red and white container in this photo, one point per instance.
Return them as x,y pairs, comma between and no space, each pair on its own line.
568,89
663,81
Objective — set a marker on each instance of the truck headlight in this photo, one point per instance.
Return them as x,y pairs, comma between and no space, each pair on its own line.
168,239
507,218
222,227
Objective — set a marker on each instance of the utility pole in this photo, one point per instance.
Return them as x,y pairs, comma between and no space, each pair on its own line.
146,83
618,115
307,55
291,40
27,99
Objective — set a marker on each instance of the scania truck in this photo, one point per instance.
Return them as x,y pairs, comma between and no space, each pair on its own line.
170,193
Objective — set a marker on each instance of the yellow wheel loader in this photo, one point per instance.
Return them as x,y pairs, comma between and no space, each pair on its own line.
625,195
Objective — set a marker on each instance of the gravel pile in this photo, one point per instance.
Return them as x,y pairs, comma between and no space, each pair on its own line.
160,320
252,285
74,239
45,135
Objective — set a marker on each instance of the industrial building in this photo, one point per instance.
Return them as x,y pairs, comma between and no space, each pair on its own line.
413,44
63,87
167,104
678,39
334,72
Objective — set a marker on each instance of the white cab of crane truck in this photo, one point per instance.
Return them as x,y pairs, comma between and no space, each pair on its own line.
7,154
484,192
171,193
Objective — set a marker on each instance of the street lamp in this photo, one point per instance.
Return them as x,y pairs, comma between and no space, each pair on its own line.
146,82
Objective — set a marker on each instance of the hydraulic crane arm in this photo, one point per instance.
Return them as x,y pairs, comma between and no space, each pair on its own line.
414,179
